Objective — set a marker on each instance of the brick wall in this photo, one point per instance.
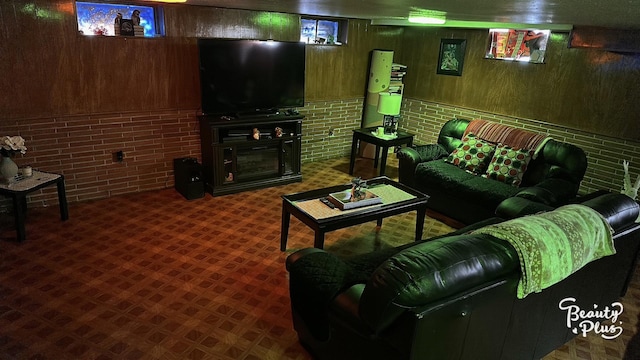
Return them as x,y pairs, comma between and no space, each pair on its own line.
82,147
340,117
604,154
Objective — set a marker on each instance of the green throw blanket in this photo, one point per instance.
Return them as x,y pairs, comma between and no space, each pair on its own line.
555,244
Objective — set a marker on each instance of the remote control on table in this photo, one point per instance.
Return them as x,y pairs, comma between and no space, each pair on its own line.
327,202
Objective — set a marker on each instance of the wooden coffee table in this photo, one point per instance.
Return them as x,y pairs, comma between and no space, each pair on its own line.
307,207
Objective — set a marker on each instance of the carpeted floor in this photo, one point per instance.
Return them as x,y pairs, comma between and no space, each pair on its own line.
154,276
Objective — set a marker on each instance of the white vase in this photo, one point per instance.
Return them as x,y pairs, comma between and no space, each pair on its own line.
8,169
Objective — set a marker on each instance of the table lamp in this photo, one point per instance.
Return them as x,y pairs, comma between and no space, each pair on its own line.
389,106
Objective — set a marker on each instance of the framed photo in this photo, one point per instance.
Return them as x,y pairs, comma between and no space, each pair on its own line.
451,58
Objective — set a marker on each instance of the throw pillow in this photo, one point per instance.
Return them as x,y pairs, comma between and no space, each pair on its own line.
473,154
508,165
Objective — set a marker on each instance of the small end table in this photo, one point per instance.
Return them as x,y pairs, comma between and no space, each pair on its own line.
18,191
384,142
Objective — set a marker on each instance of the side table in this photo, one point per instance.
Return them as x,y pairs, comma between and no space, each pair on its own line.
384,142
19,189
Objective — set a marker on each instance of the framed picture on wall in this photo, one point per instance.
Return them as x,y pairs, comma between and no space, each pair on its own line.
451,58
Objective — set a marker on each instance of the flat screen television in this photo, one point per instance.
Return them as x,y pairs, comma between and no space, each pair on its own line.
248,76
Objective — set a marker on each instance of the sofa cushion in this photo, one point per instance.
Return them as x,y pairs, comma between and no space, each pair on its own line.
487,192
439,174
441,179
509,165
473,154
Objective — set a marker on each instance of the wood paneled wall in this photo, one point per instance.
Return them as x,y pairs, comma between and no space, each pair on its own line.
592,90
341,72
50,70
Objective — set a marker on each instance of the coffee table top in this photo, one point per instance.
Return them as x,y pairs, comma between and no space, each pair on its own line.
393,194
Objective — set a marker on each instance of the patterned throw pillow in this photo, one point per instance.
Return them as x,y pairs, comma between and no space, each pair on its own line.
472,155
508,165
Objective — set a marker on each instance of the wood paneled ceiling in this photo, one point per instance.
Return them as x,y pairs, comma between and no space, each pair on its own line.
623,14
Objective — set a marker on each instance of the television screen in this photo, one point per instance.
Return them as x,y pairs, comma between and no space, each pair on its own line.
244,76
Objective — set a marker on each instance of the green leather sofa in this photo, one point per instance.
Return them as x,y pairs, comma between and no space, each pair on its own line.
552,178
453,296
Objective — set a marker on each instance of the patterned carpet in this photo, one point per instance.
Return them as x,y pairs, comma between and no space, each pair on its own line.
154,276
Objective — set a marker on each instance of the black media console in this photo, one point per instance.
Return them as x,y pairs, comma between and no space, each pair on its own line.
245,153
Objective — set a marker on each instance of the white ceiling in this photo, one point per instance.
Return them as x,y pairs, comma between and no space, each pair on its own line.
544,13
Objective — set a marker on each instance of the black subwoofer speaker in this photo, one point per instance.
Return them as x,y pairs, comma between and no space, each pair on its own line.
188,178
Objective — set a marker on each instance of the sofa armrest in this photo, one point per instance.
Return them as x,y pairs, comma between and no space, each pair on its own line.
315,278
619,210
431,271
409,158
317,269
515,207
551,192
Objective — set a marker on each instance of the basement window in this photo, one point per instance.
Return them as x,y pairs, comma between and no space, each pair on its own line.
518,45
323,31
116,19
